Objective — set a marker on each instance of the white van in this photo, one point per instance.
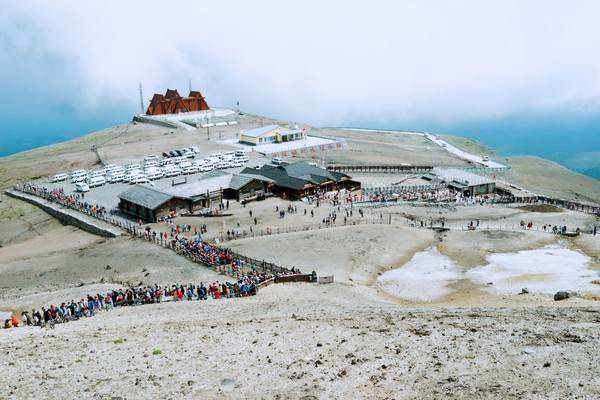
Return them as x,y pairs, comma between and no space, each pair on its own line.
151,163
82,187
151,157
156,174
132,167
114,178
79,178
78,172
141,180
277,161
59,178
192,169
96,181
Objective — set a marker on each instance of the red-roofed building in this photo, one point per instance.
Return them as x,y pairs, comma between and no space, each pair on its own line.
173,103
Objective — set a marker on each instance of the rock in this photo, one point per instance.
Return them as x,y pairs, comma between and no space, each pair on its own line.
561,296
524,291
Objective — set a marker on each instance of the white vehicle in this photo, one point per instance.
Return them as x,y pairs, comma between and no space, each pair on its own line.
59,178
206,168
198,163
486,158
169,172
141,180
212,160
236,163
185,164
167,161
190,170
223,164
110,167
277,161
194,149
99,172
114,178
78,172
82,187
79,178
132,175
240,153
216,156
96,181
229,153
188,153
243,159
131,167
155,175
151,163
151,157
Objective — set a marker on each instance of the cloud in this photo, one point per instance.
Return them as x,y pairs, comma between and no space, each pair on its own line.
322,62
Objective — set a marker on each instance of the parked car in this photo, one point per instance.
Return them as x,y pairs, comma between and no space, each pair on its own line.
157,174
96,181
114,178
141,180
194,149
277,161
165,154
178,153
206,168
172,153
239,153
223,164
79,178
169,172
192,169
59,178
82,187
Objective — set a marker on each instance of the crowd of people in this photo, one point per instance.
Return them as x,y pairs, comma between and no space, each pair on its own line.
75,201
94,303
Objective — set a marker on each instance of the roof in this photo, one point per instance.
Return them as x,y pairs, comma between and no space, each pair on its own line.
211,182
200,187
260,131
295,176
145,197
462,177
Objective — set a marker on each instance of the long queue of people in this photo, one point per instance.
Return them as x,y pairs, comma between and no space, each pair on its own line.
75,201
92,304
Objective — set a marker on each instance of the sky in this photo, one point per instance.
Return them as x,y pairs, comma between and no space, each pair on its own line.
69,66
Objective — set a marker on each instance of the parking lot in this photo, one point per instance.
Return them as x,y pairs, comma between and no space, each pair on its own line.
107,194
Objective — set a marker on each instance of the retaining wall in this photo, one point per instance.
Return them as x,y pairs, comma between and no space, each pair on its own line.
68,217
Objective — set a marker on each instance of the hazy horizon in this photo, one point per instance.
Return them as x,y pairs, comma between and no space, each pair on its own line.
528,73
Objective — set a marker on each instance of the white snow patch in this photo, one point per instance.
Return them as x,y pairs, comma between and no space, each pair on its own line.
425,277
544,271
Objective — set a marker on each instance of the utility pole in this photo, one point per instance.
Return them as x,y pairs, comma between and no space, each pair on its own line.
190,84
141,99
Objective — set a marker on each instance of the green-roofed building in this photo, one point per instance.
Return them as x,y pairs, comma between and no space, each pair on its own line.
301,179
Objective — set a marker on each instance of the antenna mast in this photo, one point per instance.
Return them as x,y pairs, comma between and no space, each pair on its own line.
190,84
141,99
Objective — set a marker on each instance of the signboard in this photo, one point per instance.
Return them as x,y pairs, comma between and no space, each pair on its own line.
326,279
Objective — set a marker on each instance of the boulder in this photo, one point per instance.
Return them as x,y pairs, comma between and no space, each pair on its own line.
561,296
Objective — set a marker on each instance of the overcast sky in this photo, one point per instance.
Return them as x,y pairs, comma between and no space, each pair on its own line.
322,62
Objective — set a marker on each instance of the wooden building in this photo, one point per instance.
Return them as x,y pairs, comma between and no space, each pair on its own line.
301,179
172,103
